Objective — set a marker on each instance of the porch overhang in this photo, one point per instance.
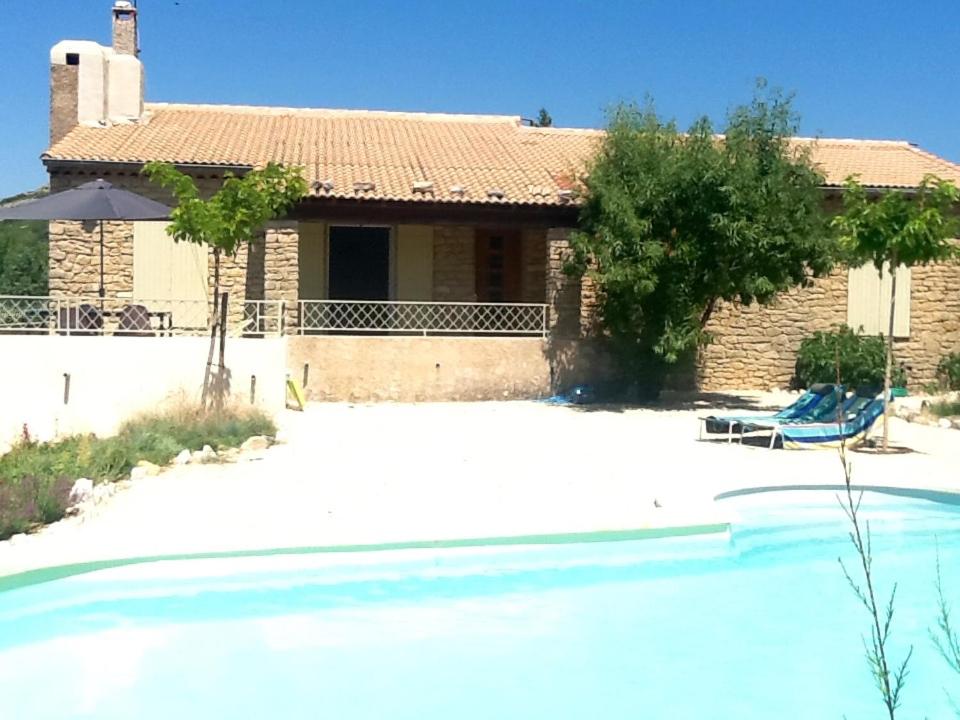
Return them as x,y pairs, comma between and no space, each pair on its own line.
434,213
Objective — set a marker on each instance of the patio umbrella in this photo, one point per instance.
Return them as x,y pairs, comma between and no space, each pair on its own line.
97,200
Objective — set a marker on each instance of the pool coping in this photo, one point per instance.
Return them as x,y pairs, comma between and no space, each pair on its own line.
37,576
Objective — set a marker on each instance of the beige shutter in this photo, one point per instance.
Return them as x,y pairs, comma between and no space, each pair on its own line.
312,259
414,268
170,276
868,301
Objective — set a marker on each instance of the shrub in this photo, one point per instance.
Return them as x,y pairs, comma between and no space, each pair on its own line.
862,359
36,478
948,371
945,408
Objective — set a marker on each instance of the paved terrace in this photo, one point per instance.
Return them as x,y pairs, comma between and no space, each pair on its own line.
394,472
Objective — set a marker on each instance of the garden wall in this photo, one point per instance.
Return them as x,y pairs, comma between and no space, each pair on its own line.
408,369
113,378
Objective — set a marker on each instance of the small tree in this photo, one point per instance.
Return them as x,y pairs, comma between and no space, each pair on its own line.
543,119
673,223
898,229
233,216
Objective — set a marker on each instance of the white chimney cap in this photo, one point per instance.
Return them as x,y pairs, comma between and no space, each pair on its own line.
123,5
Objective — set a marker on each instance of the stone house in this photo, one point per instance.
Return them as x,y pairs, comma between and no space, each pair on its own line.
427,259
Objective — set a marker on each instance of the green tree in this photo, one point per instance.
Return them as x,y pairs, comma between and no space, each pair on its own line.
234,215
543,119
23,257
673,223
898,229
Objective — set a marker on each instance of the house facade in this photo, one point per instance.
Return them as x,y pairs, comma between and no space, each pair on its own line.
427,261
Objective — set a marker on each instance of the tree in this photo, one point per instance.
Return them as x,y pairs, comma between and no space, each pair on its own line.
23,257
673,223
898,229
233,216
543,119
23,251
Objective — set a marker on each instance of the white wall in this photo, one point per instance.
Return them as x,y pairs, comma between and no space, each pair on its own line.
114,378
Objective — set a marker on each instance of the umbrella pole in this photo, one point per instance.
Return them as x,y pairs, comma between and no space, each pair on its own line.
101,289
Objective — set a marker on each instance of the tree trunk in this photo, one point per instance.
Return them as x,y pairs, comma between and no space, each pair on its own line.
888,370
208,381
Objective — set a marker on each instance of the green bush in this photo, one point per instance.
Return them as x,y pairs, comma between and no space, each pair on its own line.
862,359
36,478
945,408
948,371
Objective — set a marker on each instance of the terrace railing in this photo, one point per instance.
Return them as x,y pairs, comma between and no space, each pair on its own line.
422,318
21,315
91,315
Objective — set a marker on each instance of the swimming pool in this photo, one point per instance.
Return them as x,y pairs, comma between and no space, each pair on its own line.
756,622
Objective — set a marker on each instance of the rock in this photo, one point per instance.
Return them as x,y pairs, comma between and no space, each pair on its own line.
182,458
945,423
17,539
281,437
257,442
102,492
208,454
82,490
229,455
150,468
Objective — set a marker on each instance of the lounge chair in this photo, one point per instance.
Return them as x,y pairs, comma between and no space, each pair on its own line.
852,423
134,321
817,403
83,319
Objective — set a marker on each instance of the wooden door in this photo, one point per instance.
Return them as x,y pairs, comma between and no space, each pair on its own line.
498,266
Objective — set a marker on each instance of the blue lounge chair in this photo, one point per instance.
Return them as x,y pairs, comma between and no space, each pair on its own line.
818,403
852,424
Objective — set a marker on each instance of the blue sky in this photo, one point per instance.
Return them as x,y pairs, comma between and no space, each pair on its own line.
883,69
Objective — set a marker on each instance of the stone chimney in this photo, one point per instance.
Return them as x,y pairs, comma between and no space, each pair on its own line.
125,29
94,85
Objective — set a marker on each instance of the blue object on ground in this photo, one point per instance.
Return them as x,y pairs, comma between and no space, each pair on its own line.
577,395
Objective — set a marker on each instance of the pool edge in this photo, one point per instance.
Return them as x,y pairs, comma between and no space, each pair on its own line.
37,576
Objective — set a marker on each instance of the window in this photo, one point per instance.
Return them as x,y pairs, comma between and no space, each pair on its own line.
868,301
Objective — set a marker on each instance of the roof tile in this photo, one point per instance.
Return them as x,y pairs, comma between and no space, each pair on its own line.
464,156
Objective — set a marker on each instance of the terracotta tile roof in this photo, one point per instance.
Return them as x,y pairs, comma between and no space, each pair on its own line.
396,155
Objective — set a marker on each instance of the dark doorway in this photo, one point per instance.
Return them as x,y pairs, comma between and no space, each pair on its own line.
498,266
359,263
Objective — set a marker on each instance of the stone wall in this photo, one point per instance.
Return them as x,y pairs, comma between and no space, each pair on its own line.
413,369
934,322
454,264
756,346
74,252
64,94
267,269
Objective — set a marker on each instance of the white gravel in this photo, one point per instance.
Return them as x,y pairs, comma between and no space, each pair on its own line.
396,472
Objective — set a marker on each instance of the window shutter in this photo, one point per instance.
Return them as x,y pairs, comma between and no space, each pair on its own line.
868,301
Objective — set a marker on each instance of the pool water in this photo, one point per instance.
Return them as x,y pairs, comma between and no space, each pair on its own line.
754,623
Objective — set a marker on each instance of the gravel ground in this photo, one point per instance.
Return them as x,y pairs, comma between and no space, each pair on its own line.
397,472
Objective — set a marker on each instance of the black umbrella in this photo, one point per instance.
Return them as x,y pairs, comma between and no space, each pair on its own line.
97,200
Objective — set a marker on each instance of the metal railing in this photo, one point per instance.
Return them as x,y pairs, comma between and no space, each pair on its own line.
91,315
423,318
